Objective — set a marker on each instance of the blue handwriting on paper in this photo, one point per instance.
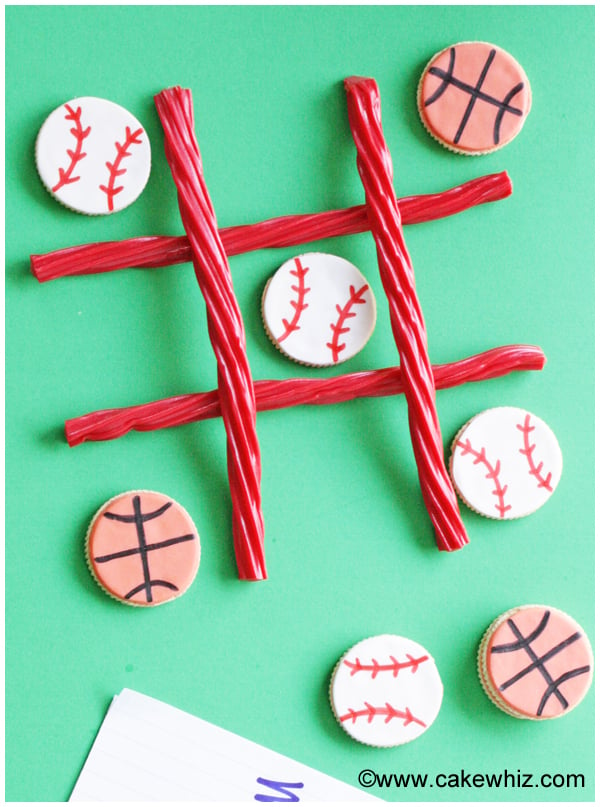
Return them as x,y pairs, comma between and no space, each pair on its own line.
278,787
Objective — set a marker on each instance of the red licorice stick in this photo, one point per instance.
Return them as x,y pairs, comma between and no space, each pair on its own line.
149,252
109,424
225,326
408,326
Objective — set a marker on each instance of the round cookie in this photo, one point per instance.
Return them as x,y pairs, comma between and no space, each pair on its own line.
143,548
505,463
535,662
93,156
318,309
386,691
473,97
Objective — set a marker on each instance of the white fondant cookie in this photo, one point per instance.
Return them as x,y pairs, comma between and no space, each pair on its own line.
93,156
386,691
318,309
505,463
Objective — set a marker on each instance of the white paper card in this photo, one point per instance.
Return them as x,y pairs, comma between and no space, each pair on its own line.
147,750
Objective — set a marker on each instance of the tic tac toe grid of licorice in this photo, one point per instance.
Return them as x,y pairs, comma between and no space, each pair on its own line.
350,549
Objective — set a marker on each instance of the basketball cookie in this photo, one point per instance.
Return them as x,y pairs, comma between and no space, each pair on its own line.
473,97
93,156
535,662
143,548
386,691
318,309
505,463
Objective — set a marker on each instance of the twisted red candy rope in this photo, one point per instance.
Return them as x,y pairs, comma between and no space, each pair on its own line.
109,424
150,252
225,326
408,326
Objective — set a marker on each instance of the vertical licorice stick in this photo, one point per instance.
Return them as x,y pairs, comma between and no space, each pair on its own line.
408,325
225,326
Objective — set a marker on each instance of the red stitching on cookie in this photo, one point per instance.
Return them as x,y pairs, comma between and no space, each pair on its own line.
534,470
375,668
344,314
64,176
493,473
298,305
131,138
388,710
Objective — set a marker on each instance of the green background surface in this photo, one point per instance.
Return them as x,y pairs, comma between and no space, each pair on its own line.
350,550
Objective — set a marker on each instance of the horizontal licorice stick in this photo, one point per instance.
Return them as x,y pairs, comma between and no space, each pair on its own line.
149,252
108,424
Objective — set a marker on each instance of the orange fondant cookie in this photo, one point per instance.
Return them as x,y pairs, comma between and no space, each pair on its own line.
473,97
535,662
143,548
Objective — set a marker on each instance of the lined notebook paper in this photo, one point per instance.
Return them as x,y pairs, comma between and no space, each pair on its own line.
147,750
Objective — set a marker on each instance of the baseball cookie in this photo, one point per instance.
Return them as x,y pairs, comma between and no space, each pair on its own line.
93,156
318,309
386,691
143,548
473,97
535,662
505,463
